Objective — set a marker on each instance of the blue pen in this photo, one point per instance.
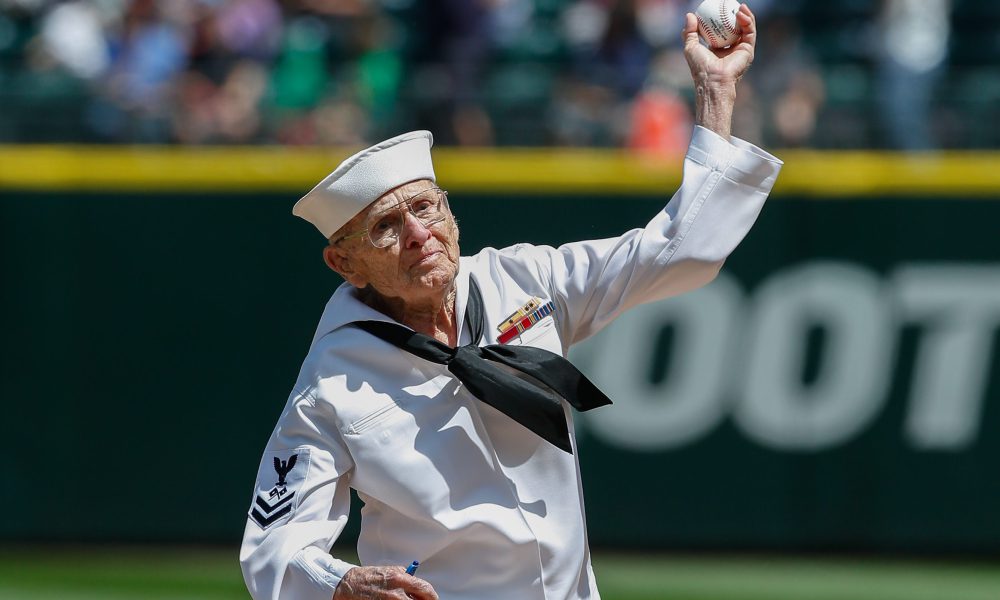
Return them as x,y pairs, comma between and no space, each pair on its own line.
410,570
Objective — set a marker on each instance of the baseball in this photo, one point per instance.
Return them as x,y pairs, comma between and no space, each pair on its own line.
717,22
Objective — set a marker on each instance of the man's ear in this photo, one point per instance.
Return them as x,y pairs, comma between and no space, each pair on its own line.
341,263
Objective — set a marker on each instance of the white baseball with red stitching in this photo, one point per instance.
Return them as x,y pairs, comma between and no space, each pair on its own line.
717,22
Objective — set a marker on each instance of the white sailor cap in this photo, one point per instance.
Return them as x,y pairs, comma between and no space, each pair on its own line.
364,178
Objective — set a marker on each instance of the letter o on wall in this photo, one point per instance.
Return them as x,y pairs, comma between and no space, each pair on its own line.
690,402
778,409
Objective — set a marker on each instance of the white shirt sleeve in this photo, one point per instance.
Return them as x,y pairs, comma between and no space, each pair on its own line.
683,247
285,555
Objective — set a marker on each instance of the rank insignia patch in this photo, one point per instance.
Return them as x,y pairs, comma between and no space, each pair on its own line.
523,319
281,476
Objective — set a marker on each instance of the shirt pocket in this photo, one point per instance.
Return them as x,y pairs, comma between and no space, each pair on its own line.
382,415
397,461
541,335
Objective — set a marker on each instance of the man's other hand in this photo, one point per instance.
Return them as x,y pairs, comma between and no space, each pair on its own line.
382,583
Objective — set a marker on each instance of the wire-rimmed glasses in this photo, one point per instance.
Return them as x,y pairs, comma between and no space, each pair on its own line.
384,227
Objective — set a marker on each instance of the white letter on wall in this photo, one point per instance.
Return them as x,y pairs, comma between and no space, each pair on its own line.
778,409
690,400
960,308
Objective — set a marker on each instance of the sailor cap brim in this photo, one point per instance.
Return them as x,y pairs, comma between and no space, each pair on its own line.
364,178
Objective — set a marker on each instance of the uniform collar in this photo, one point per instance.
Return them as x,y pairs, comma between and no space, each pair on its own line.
344,307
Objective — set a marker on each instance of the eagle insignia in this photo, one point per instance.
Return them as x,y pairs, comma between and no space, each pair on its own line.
277,500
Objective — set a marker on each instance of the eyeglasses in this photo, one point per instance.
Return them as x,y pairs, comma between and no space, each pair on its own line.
384,227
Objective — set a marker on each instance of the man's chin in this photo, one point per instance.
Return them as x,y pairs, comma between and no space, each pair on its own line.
439,273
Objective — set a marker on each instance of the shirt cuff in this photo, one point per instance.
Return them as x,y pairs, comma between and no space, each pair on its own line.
322,571
737,159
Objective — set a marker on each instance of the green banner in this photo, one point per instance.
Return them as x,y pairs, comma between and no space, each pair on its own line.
834,388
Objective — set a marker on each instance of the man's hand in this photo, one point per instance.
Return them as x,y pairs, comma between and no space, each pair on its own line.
382,583
715,72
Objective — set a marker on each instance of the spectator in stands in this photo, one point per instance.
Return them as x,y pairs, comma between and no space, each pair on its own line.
149,53
785,98
914,46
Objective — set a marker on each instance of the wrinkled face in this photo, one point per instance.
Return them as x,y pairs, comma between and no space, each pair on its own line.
419,266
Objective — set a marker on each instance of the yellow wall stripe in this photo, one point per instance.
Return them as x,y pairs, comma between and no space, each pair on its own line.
549,171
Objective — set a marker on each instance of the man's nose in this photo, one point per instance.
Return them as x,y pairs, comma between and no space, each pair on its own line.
415,234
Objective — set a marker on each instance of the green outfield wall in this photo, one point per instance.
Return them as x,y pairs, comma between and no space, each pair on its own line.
837,387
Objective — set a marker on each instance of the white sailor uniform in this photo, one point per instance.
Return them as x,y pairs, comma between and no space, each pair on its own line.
490,510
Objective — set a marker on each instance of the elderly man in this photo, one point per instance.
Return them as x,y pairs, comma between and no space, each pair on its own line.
436,386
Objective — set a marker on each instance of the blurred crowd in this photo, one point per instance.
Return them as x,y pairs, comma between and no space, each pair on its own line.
908,74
